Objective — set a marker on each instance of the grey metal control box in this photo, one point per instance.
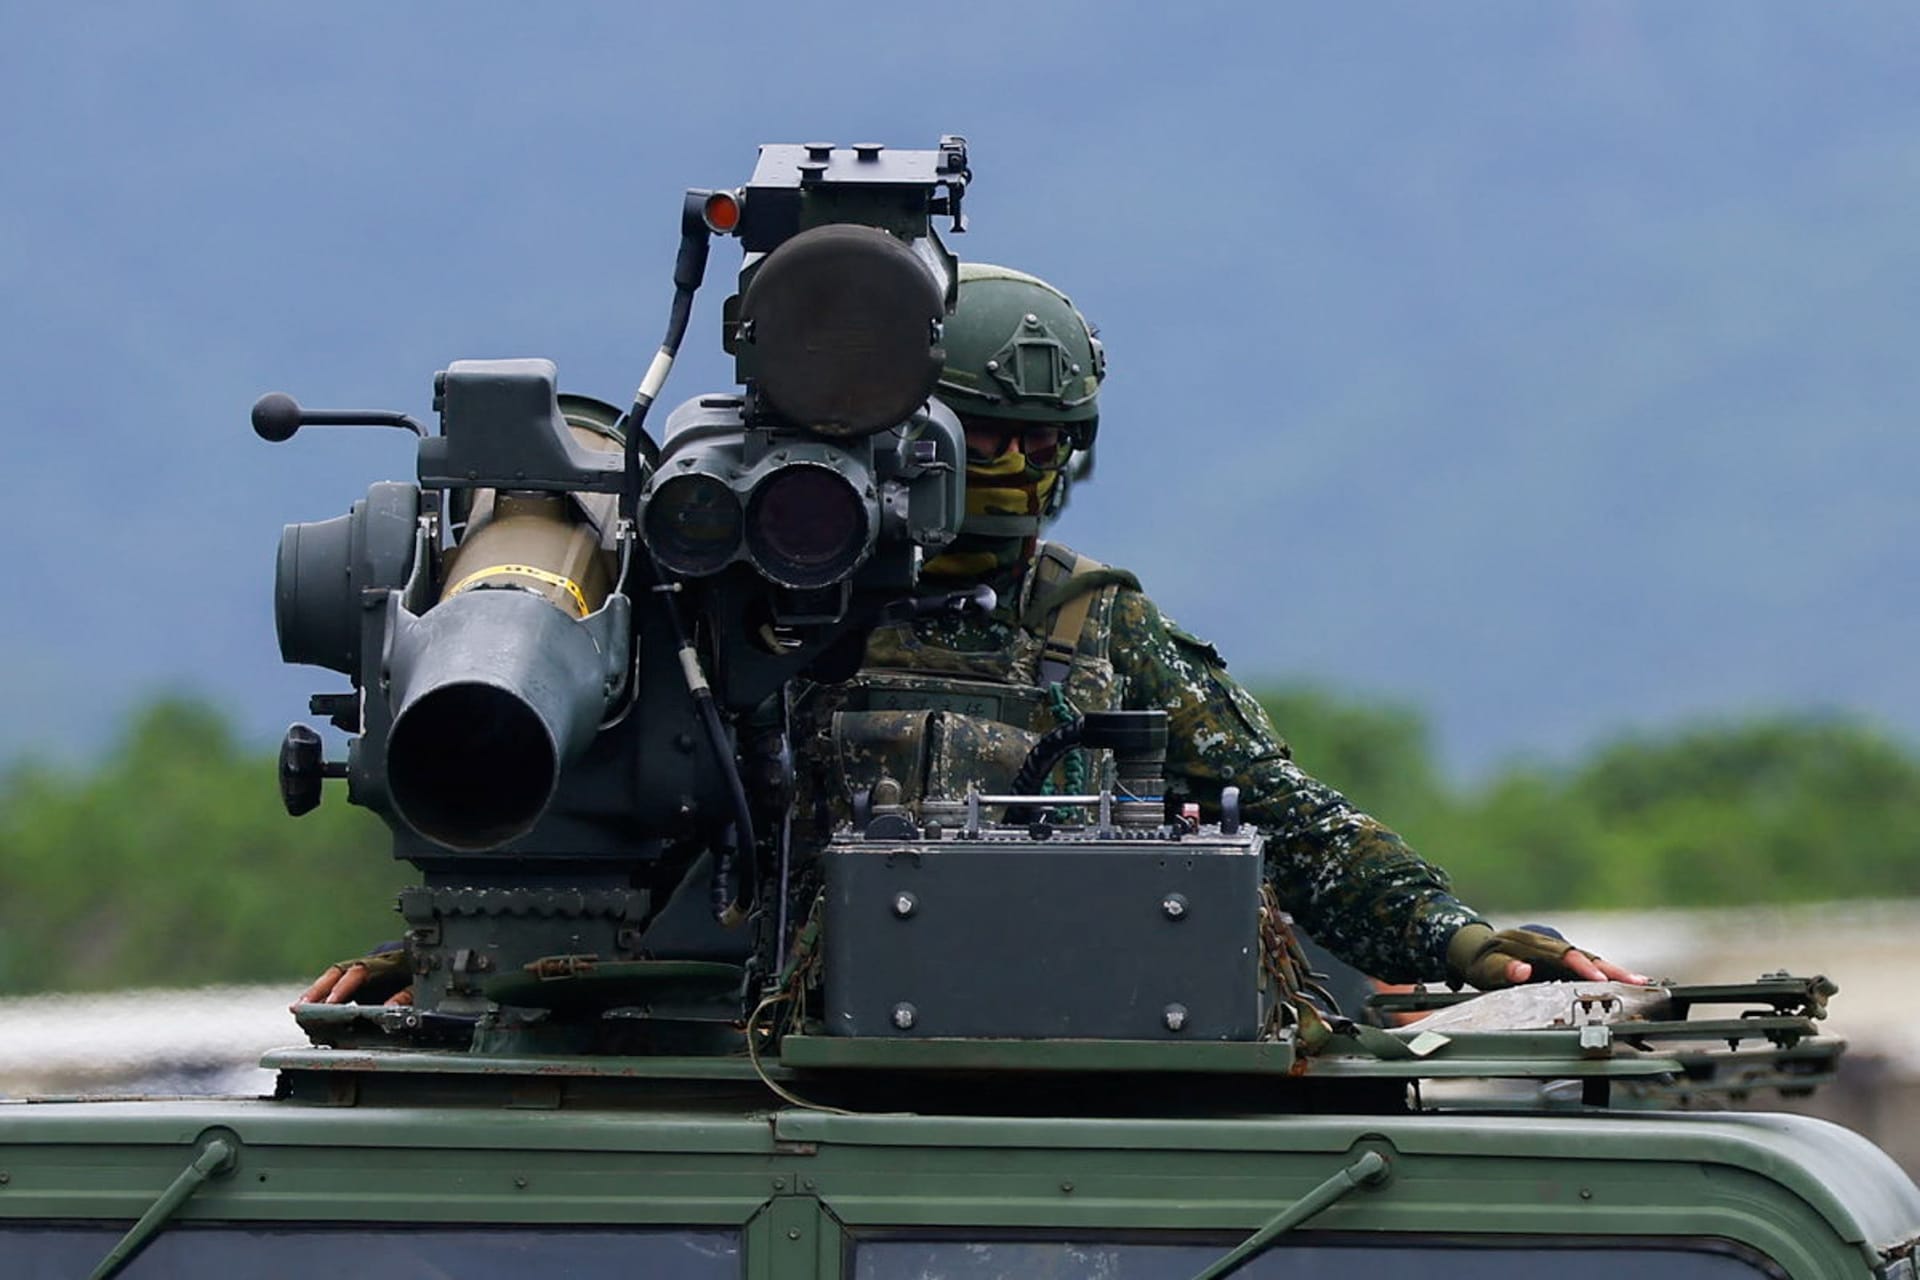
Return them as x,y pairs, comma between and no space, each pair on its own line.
1121,935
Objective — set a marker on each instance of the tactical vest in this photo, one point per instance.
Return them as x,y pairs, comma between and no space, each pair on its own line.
937,705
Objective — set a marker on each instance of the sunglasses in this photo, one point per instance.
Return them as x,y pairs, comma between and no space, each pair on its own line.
1041,445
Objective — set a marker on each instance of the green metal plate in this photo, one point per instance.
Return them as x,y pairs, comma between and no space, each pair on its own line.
1263,1058
1528,1055
401,1062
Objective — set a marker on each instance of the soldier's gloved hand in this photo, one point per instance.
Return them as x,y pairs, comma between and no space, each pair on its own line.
1487,960
384,976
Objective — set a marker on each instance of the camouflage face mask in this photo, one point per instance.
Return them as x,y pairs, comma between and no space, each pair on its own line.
1006,503
1008,494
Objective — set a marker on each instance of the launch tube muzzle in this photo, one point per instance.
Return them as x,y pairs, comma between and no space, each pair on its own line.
494,693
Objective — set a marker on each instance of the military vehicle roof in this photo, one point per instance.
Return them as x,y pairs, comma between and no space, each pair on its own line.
1854,1186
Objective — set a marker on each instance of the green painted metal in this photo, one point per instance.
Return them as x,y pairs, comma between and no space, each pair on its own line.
793,1237
1116,1056
467,1064
1517,1055
1654,1161
664,1126
1370,1170
216,1157
1818,1200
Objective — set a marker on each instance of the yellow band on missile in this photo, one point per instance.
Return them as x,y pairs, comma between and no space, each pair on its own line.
565,584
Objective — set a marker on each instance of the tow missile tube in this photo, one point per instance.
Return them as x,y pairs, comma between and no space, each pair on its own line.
496,689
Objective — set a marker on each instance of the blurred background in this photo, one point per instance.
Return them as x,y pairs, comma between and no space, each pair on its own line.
1520,396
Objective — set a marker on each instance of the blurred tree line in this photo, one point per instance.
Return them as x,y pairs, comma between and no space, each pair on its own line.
1774,809
170,861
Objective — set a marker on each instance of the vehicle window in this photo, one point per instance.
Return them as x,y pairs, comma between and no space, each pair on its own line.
193,1251
1145,1259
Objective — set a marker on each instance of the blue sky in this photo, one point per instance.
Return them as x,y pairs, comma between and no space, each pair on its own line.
1546,367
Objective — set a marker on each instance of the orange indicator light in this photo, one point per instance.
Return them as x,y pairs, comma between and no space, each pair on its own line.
722,212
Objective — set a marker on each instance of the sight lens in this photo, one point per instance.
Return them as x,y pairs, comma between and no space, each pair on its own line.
806,526
693,524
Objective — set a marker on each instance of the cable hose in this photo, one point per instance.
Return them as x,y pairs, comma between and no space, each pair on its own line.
727,885
689,270
726,881
1075,770
1040,762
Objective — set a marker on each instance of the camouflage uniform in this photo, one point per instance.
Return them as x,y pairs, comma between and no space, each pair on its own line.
946,701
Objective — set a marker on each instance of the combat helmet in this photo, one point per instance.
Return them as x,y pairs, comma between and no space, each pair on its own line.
1017,354
1018,350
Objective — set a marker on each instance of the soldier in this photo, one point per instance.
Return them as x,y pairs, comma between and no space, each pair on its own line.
949,700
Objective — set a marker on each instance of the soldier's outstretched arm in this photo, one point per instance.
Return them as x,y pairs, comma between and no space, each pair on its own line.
1350,880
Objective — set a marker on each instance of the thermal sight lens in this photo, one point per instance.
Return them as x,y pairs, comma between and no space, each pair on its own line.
806,527
693,524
